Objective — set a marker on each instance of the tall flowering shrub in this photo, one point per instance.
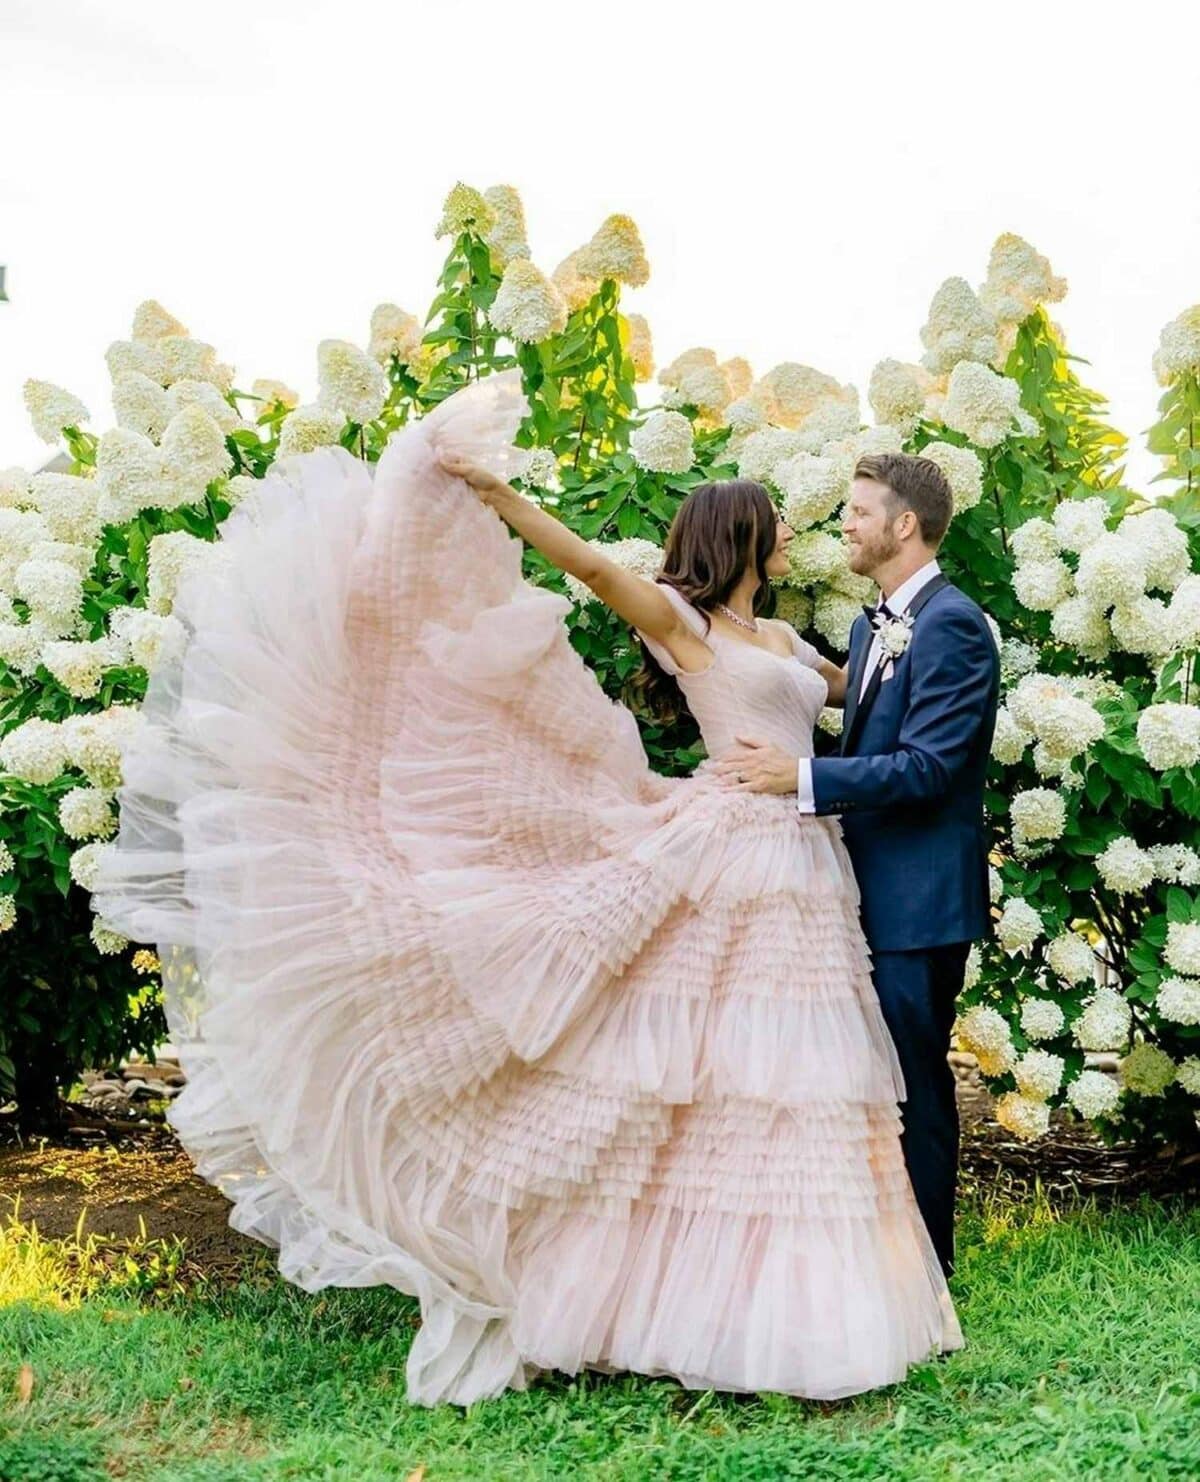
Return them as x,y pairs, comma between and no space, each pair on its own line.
1095,792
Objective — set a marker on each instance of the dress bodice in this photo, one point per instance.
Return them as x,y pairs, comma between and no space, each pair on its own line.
748,691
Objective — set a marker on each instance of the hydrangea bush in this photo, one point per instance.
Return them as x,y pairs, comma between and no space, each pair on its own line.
1095,794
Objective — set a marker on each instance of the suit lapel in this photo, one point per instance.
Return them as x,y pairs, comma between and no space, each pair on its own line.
858,709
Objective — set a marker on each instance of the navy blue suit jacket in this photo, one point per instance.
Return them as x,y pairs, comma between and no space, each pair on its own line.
909,783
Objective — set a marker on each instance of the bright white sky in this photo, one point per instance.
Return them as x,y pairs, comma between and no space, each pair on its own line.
804,177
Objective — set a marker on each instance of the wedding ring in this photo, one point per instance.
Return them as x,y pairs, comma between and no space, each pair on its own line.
740,777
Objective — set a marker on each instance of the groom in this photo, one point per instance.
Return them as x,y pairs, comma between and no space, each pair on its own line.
923,683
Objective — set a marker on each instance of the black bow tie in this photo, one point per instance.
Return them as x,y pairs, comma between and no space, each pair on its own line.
876,615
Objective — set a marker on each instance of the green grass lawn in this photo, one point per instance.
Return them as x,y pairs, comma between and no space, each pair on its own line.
1084,1332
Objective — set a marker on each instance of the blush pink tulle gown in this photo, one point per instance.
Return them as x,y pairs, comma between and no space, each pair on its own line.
474,1004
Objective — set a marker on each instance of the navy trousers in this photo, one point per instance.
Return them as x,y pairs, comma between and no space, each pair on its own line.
917,992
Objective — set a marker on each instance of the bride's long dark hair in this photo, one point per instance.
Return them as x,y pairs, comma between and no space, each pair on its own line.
718,531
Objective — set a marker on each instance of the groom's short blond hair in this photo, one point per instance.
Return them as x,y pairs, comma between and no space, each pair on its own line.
912,483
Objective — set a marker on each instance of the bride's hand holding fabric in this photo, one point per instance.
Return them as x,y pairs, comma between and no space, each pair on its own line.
639,602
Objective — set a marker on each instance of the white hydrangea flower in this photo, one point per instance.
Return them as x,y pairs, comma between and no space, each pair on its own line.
1187,1074
1081,624
1046,764
204,394
1178,999
106,939
663,444
51,409
194,452
995,885
185,359
129,357
984,1033
1112,571
793,392
640,346
35,751
1093,1094
85,864
1182,951
152,322
1067,727
796,608
576,286
1019,280
973,970
641,557
830,720
897,393
8,913
1041,1018
812,487
507,236
350,381
1146,1070
539,469
833,617
1038,1074
130,477
1041,586
1163,542
1038,813
816,556
239,488
149,636
1104,1023
1125,867
68,505
1179,346
1143,627
1017,659
1079,523
172,557
140,404
963,470
1030,697
707,389
465,210
1071,957
271,394
86,813
14,488
308,427
1169,736
1175,864
1010,739
21,644
6,859
982,405
616,251
527,307
866,441
958,329
96,741
53,590
1184,614
699,357
1019,926
738,373
77,665
1022,1116
763,451
1035,540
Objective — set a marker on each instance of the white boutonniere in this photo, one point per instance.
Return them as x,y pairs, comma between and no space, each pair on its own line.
895,634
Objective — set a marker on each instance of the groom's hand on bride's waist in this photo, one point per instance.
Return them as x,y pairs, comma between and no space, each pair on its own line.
757,766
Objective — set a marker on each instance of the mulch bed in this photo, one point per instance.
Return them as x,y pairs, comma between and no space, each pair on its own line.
127,1172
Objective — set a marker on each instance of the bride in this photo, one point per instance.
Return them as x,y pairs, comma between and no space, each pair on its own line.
471,1001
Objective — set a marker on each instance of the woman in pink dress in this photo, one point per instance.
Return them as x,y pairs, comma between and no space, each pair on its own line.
471,1001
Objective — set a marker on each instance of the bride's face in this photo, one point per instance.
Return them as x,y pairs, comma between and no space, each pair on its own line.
778,563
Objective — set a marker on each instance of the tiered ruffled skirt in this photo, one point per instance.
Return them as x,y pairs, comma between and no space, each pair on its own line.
474,1004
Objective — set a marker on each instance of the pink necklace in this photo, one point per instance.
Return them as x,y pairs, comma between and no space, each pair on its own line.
750,627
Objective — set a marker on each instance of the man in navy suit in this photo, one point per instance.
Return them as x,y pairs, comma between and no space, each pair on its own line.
923,682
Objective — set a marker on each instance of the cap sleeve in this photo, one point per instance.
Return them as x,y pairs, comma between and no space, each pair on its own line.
691,616
805,652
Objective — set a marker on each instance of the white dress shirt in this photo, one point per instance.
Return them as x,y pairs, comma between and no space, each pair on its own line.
898,604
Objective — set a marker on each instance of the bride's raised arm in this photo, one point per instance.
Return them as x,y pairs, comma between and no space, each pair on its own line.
641,603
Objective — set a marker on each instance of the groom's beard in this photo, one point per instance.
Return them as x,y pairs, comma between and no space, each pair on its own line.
868,556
